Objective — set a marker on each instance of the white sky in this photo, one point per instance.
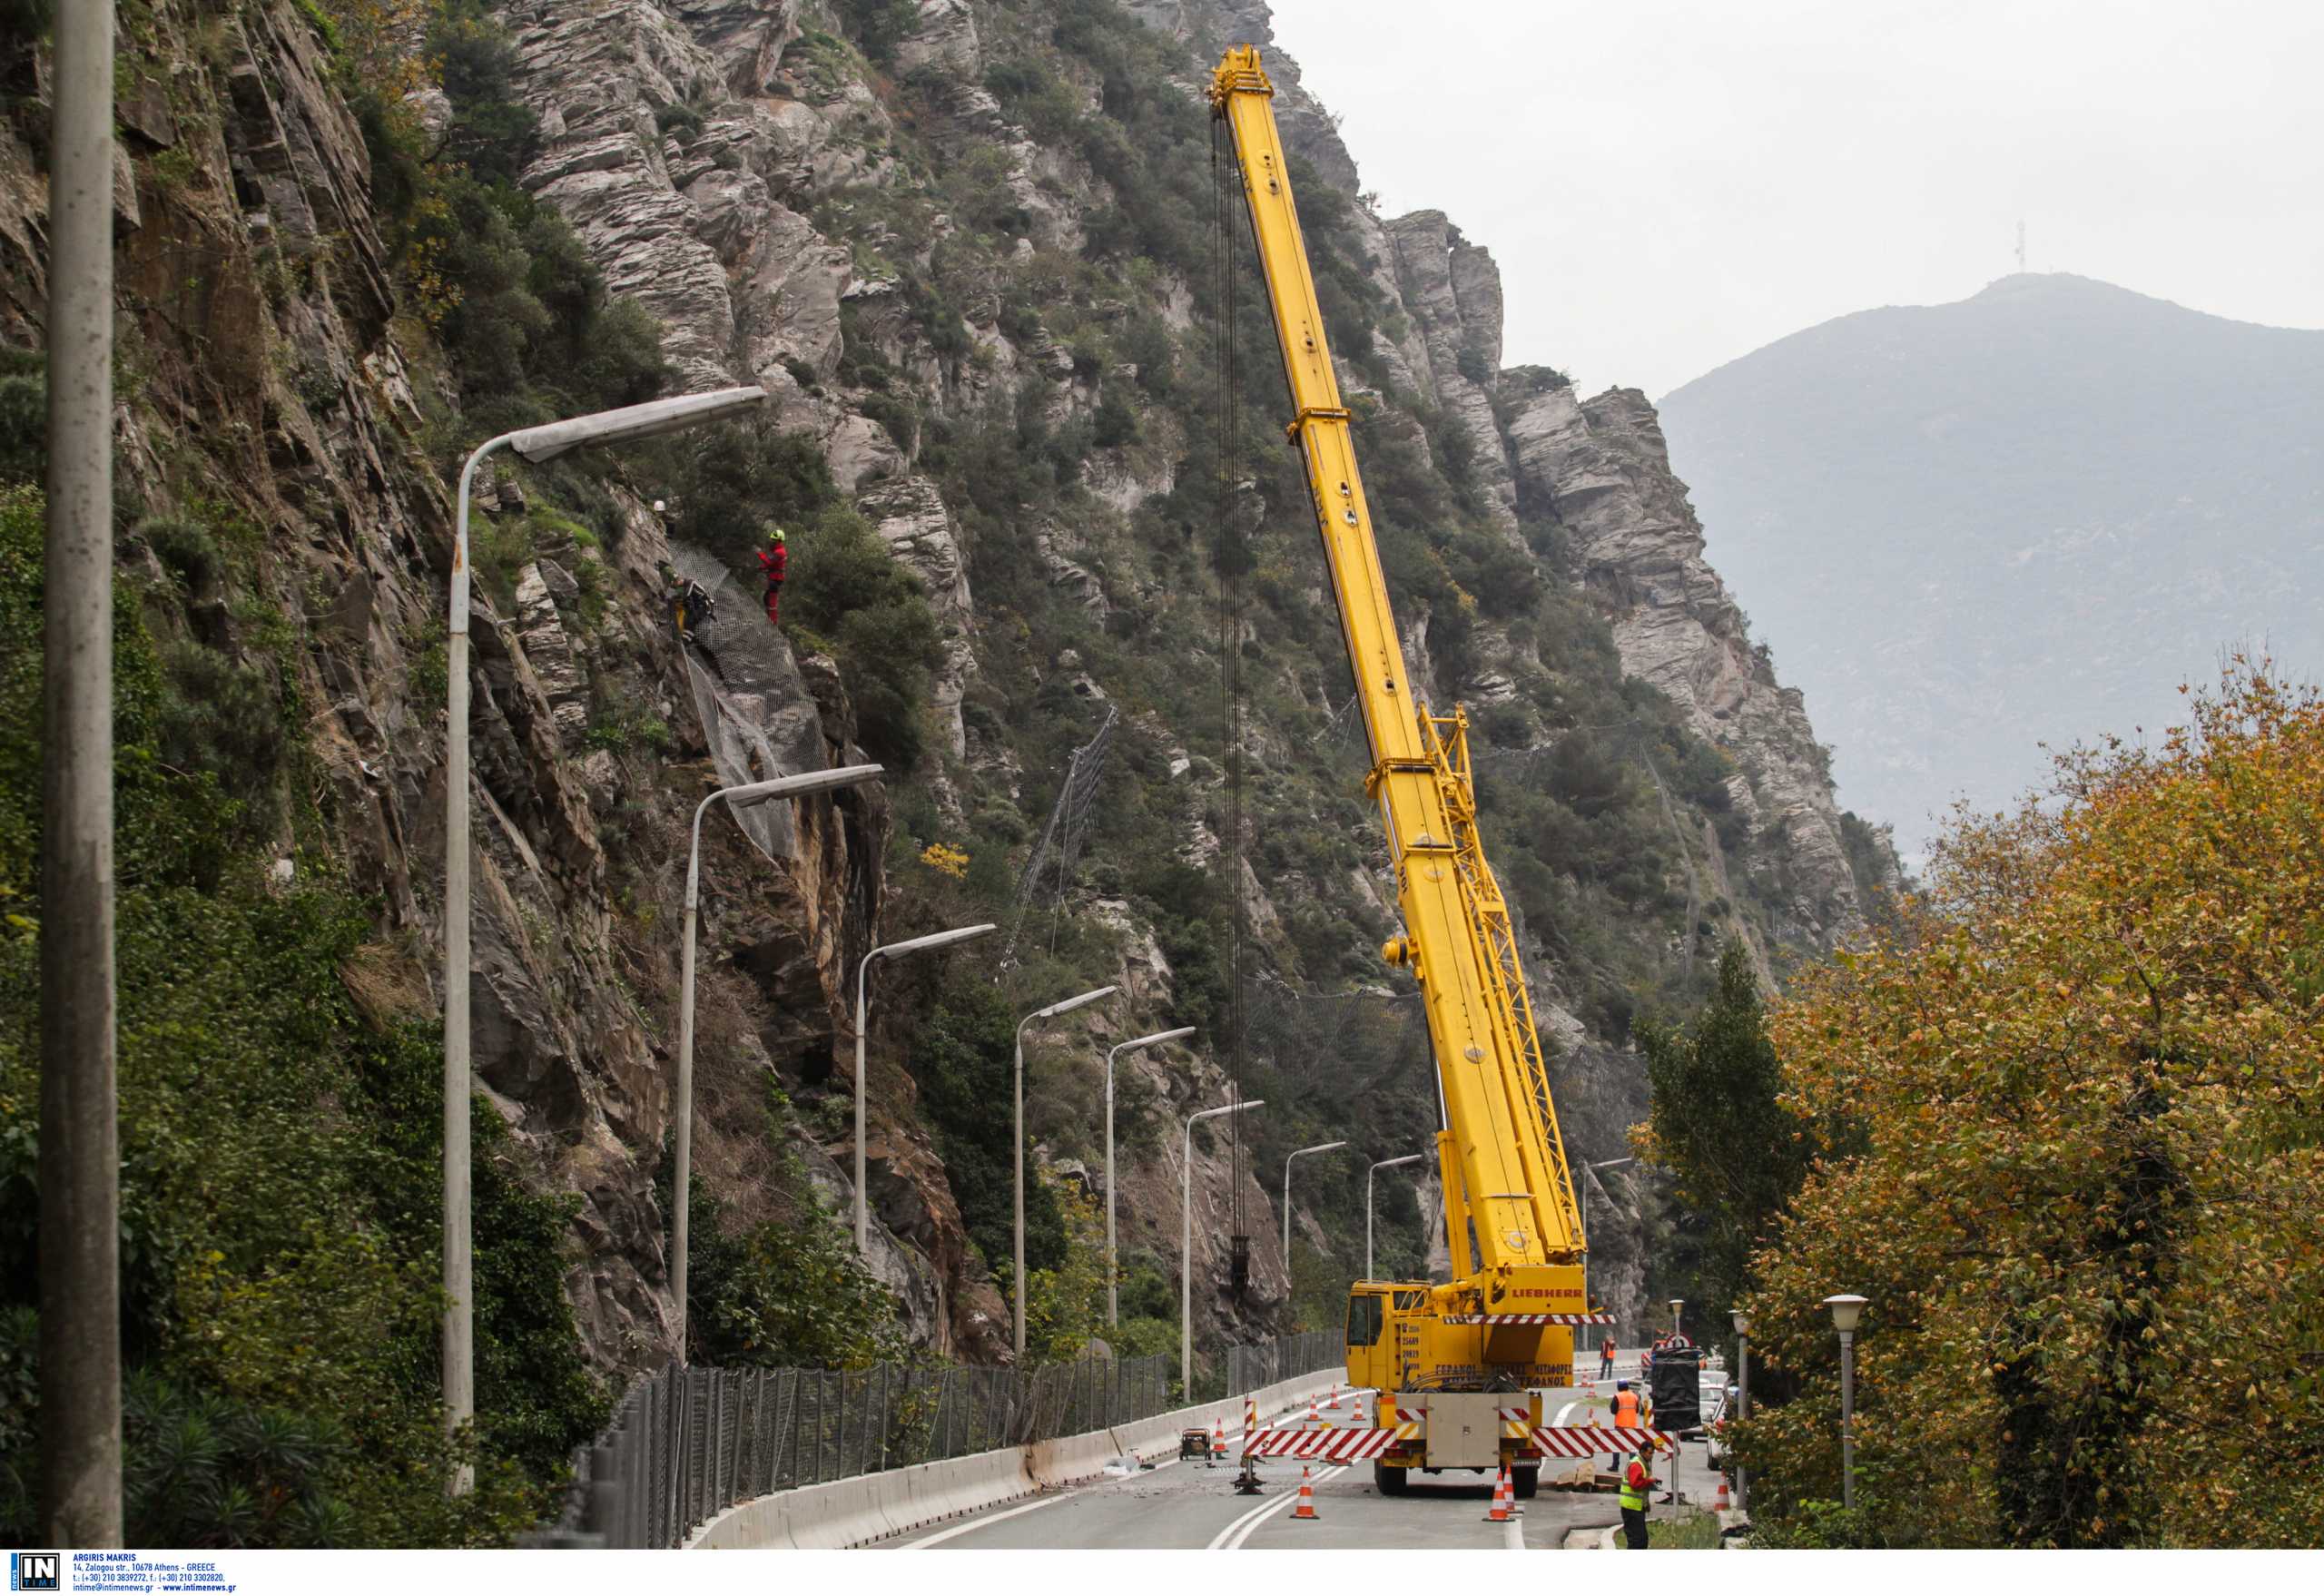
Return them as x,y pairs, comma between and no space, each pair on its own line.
1669,184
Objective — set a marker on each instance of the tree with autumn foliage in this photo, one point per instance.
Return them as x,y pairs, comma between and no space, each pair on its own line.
2069,1125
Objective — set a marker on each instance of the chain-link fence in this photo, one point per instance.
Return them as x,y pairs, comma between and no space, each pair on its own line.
685,1445
1250,1367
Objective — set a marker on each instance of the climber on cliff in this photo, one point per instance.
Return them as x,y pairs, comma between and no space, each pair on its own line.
689,605
772,560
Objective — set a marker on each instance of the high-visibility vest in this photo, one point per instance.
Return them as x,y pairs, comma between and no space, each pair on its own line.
1626,1409
1635,1486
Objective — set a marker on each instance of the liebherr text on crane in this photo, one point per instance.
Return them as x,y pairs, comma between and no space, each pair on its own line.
1460,1366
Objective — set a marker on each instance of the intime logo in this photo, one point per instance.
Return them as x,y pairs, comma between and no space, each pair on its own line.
35,1570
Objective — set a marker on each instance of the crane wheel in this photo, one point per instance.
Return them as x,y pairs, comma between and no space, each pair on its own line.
1525,1480
1392,1482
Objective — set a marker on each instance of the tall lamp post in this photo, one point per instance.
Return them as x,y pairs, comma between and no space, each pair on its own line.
534,444
1846,1309
1368,1173
1186,1246
943,939
1321,1147
1113,1259
1016,1280
1602,1164
1677,1303
1742,1399
682,1112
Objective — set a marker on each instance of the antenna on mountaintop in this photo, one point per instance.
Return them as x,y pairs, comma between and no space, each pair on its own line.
2021,245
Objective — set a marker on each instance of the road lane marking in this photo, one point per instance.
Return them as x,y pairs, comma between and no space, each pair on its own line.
1514,1539
1232,1537
977,1523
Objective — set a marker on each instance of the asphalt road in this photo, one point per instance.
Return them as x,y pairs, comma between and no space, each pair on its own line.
1188,1506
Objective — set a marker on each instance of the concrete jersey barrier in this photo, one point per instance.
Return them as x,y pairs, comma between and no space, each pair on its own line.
869,1507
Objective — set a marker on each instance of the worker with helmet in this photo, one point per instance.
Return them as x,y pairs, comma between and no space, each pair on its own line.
1626,1411
772,560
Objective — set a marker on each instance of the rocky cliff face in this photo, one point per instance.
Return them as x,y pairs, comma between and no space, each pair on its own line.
764,229
1603,469
952,242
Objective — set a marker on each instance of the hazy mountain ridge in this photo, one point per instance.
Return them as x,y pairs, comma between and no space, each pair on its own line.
1968,529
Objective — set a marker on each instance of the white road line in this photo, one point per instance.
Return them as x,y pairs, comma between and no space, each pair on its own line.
977,1523
1514,1539
1568,1408
1232,1537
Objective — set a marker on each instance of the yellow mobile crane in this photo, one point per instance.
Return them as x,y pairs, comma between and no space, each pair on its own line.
1459,1366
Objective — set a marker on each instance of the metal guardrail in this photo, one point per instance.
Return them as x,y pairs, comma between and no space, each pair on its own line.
685,1445
1250,1367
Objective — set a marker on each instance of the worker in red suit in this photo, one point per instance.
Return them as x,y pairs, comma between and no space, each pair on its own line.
772,559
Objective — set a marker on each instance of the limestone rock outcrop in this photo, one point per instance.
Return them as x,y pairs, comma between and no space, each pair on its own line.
1602,465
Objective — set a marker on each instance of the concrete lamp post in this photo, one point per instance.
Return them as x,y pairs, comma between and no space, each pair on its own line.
682,1112
1186,1246
943,939
1846,1310
1113,1259
1601,1164
1321,1147
534,444
1368,1173
1742,1397
1017,1279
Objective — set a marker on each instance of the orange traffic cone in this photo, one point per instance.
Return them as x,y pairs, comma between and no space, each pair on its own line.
1356,1411
1307,1508
1314,1417
1336,1395
1720,1505
1218,1437
1501,1499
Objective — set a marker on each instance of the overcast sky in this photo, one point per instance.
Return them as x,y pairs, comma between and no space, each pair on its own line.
1669,184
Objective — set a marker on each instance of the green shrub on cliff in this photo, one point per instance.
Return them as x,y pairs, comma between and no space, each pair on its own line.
280,1150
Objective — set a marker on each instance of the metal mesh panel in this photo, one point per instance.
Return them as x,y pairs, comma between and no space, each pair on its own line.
685,1445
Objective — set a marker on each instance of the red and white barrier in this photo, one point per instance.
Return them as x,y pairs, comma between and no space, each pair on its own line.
1595,1440
1323,1446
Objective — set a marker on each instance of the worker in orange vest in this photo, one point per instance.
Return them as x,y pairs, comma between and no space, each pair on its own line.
1626,1412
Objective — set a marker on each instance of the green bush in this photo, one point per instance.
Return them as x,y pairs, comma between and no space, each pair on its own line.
728,481
280,1158
23,427
845,585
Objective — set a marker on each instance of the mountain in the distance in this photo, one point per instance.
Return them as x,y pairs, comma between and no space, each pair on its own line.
1970,529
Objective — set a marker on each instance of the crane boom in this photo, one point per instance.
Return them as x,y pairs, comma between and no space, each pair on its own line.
1514,1233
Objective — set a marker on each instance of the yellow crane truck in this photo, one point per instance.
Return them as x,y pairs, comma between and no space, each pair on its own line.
1460,1366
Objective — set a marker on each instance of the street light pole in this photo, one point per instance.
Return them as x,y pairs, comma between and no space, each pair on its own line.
80,1152
1368,1173
1677,1303
1601,1164
1017,1279
682,1112
1846,1309
942,938
535,444
1186,1246
1113,1259
1321,1147
1742,1399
